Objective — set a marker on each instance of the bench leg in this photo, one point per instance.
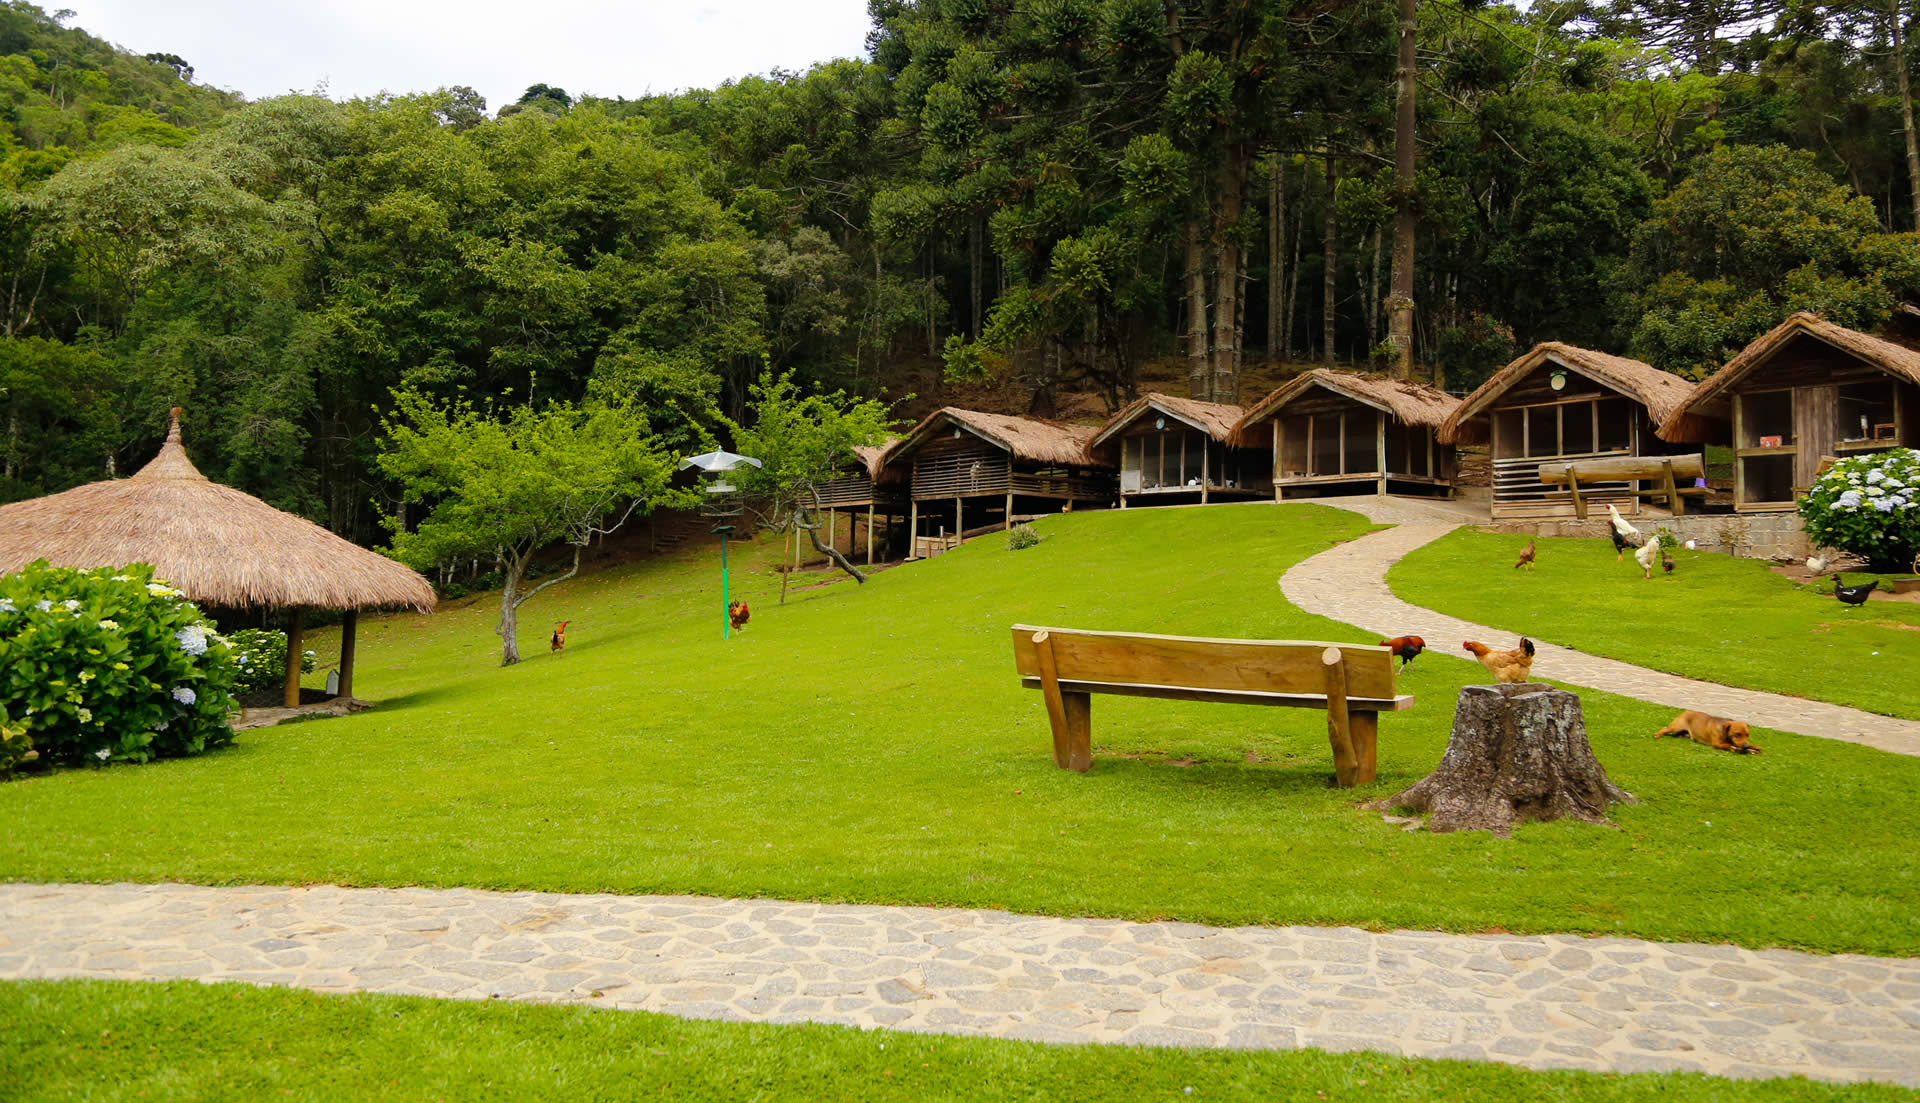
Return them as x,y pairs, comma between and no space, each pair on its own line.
1364,729
1079,715
1346,765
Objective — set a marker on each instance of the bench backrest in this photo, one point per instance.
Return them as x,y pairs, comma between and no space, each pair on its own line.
1270,666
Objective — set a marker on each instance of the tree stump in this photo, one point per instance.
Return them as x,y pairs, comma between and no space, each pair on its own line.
1517,752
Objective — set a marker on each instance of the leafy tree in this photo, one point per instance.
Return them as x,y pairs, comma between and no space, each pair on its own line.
502,489
803,442
1753,235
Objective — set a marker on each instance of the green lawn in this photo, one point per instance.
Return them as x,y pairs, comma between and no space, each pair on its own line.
1717,618
101,1040
872,744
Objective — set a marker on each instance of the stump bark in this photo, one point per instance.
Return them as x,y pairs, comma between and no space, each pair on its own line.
1517,753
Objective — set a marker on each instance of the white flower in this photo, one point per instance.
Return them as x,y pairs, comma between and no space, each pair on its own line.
1849,500
161,726
123,578
70,605
110,625
185,695
1884,505
86,716
6,605
1876,475
161,589
103,754
43,605
192,639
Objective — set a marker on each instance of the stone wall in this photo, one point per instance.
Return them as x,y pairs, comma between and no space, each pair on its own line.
1758,535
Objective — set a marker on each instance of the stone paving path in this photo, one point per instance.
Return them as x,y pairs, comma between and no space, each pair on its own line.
1348,583
1558,1001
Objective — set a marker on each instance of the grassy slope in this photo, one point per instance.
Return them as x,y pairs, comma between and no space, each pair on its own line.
871,744
99,1040
1717,618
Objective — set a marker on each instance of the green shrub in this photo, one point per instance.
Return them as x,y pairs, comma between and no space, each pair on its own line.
260,654
1868,505
1021,536
108,664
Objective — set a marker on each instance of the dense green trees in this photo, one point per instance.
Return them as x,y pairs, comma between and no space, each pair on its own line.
1052,197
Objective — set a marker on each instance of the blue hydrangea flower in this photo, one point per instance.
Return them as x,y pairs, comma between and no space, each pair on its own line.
192,639
185,695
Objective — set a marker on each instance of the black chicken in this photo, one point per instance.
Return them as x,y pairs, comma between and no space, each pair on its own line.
1852,595
1666,561
1620,544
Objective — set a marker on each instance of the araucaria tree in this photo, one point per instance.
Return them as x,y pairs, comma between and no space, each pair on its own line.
502,488
803,442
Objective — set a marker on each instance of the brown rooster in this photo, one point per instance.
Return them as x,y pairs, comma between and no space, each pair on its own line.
1506,666
1406,647
1526,556
737,615
559,641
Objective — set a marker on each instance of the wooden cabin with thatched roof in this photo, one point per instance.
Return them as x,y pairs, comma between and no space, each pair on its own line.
1560,404
1802,393
1181,449
966,470
1336,432
864,483
217,545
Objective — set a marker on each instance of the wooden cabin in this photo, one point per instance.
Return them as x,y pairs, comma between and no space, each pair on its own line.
968,471
1806,391
864,485
1336,432
1180,450
1560,404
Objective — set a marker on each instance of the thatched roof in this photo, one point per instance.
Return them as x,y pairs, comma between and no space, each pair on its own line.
1026,438
1409,402
1660,392
1898,361
1216,419
220,546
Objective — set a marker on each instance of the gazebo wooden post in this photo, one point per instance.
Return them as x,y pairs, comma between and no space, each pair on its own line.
869,534
292,697
347,626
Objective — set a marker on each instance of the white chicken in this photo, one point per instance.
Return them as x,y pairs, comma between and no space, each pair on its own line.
1816,564
1648,555
1624,535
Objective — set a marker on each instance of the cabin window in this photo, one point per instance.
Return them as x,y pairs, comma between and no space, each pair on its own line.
1766,421
1767,478
1326,445
1577,428
1865,412
1508,425
1362,455
1293,445
1616,417
1543,430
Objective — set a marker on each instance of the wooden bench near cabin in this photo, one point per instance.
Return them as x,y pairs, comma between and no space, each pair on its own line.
1668,473
1353,683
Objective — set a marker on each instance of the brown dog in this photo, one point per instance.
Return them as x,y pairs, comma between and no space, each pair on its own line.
1721,735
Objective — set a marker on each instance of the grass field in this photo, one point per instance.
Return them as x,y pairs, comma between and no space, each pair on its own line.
1717,618
872,744
99,1040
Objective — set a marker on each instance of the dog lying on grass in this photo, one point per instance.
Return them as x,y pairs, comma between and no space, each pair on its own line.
1721,735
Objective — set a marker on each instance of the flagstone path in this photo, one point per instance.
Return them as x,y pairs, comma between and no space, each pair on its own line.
1557,1001
1349,583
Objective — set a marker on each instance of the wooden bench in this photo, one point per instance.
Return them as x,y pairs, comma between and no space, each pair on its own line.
1668,471
1353,683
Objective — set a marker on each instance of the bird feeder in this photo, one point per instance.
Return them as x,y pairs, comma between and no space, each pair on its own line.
723,501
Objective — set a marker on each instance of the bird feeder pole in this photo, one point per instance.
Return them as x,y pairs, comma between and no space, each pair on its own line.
721,506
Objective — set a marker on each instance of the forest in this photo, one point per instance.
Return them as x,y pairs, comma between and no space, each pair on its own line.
1051,201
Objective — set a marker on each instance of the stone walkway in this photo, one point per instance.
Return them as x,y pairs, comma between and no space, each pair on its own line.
1348,583
1558,1001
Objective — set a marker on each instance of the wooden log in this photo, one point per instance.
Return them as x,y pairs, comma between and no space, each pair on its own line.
347,629
1606,468
1346,767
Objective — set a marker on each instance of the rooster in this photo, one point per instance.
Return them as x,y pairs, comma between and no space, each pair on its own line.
1406,647
1666,561
1506,666
1648,555
1526,556
559,641
737,615
1624,534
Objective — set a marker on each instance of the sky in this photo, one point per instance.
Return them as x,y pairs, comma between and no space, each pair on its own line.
354,48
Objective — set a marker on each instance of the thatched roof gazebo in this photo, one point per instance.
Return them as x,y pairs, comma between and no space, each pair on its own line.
216,544
1333,429
1181,447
